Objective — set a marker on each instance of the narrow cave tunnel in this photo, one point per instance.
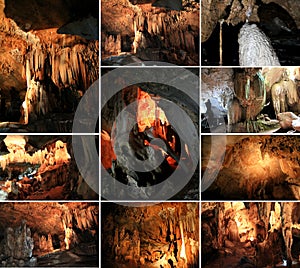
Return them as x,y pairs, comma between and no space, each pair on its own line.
49,234
253,100
141,146
42,167
255,234
148,235
277,20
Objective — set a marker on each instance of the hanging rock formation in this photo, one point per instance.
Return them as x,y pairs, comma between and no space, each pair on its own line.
130,237
267,234
41,68
151,33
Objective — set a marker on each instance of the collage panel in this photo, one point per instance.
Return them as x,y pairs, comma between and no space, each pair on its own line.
49,234
250,100
249,33
150,235
150,134
49,59
250,234
244,167
34,167
137,31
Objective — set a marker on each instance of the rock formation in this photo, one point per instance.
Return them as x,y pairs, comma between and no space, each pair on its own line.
150,32
43,72
33,234
159,235
36,167
267,234
255,48
252,167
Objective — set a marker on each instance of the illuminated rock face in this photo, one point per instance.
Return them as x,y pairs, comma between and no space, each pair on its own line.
131,137
35,167
33,234
151,33
266,231
45,70
153,236
253,167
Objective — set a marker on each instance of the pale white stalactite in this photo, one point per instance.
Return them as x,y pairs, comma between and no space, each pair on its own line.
182,250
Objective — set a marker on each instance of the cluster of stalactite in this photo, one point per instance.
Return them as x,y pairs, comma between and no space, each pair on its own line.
172,239
67,63
259,234
80,225
161,30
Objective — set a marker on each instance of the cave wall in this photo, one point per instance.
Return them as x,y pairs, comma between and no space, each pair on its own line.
31,230
247,233
150,32
40,66
258,167
235,12
150,235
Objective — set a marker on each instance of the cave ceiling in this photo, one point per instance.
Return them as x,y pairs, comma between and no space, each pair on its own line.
40,15
235,11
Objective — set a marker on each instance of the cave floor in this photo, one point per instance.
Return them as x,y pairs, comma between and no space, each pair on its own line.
67,259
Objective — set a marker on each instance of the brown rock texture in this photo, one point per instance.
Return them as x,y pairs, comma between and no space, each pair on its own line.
40,66
252,167
151,33
150,235
31,230
266,233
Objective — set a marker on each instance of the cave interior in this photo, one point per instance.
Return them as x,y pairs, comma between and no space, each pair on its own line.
41,167
146,122
250,100
277,19
49,58
150,235
134,31
250,167
49,234
250,234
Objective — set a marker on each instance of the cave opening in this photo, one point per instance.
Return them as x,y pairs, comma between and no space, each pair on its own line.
55,242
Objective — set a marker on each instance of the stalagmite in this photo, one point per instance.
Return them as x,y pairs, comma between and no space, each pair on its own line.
255,48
